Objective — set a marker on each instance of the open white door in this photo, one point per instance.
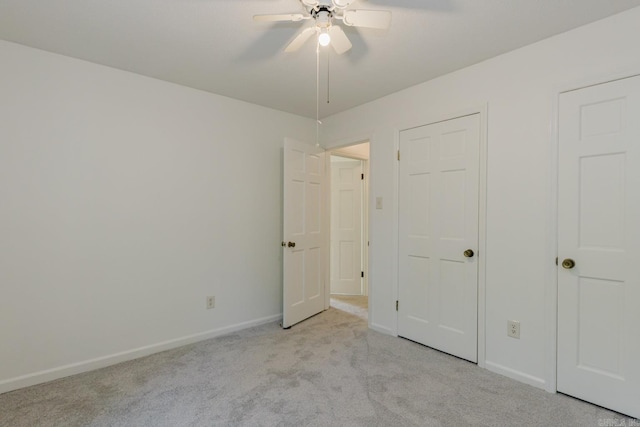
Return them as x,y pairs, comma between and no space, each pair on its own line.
346,226
305,234
599,245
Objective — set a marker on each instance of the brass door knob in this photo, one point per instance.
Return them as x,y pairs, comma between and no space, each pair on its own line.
468,253
568,263
291,244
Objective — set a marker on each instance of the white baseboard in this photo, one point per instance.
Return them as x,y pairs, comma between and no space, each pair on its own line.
516,375
104,361
381,329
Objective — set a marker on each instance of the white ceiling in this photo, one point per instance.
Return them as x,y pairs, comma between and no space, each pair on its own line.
214,45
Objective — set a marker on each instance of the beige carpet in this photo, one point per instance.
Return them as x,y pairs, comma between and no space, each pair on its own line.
327,371
354,304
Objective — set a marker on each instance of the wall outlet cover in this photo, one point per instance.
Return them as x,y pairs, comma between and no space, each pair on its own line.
513,329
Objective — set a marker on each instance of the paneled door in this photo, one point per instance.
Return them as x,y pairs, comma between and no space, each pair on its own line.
305,235
599,245
438,245
346,226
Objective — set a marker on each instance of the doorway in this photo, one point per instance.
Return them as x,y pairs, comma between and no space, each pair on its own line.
349,234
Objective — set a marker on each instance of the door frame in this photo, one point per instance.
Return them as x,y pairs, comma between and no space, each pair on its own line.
365,215
482,110
364,252
551,288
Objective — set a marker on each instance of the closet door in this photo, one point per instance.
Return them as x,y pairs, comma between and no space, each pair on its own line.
438,220
599,245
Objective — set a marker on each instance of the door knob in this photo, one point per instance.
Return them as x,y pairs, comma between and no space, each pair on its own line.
568,263
291,244
468,253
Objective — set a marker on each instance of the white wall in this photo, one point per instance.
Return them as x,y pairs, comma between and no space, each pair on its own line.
124,202
520,90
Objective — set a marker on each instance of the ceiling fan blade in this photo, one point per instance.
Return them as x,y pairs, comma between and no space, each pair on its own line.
342,4
380,19
300,39
339,39
280,18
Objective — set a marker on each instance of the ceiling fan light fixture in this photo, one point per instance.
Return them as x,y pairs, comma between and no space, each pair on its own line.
325,14
324,38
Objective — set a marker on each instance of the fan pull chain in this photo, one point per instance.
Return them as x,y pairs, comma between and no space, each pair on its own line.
328,72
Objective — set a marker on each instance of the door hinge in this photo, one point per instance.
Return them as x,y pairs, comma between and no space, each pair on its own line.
361,176
398,155
397,304
556,260
362,274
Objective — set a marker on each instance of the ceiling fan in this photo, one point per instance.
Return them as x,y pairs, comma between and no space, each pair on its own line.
324,13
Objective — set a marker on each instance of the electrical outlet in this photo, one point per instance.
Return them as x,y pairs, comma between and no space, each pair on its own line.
513,329
211,302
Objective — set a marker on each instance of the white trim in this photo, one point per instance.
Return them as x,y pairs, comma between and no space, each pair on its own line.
482,234
395,237
381,329
482,110
104,361
439,117
365,228
326,211
516,375
598,79
551,287
370,201
365,213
